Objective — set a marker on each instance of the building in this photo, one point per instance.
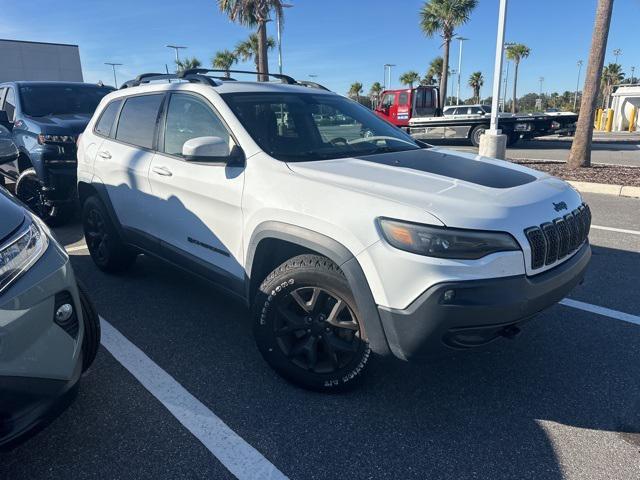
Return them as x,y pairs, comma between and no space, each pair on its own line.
625,98
21,60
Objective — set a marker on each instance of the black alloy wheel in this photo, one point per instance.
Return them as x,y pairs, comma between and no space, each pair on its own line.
316,330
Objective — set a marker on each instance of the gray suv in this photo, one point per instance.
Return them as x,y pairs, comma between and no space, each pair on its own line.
49,330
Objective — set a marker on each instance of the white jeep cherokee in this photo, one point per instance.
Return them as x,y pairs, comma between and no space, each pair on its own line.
343,234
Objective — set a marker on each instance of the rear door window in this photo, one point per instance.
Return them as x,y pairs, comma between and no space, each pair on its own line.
403,98
138,119
105,124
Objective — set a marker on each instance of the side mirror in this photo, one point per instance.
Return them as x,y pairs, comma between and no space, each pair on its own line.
8,149
210,150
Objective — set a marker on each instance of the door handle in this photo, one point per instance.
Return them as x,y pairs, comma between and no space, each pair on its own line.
104,154
164,171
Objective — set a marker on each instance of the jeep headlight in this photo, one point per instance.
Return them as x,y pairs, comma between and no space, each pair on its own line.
442,242
21,252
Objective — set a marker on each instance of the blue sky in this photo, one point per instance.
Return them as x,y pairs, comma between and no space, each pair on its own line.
341,41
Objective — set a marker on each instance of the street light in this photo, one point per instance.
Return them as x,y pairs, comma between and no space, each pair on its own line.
114,65
279,27
388,66
177,48
575,97
616,53
462,40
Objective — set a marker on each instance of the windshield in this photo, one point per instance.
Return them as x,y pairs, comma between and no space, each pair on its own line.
306,126
42,100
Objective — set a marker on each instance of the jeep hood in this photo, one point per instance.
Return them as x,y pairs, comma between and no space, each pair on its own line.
11,215
461,190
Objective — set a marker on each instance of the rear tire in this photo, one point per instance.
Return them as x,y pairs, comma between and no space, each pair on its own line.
307,326
28,189
108,251
91,322
475,135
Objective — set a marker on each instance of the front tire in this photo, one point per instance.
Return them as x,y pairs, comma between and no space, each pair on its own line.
29,190
108,251
307,326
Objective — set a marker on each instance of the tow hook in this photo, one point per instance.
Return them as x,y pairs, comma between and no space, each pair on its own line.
510,332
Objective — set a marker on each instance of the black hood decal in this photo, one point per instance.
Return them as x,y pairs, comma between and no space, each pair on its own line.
453,166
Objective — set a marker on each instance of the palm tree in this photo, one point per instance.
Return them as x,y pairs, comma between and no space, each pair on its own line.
187,64
249,49
443,17
255,13
516,52
355,90
580,155
374,93
611,75
476,81
224,60
409,78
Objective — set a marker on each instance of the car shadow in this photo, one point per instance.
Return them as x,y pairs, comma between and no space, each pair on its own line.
487,413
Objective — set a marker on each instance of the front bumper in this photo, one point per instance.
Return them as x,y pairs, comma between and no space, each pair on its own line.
40,362
480,310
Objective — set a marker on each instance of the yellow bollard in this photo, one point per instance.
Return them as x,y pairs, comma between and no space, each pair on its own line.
609,120
598,118
632,120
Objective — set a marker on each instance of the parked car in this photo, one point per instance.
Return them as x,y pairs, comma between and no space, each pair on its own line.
46,119
343,240
475,110
49,330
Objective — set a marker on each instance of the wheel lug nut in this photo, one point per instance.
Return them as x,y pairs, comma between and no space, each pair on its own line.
327,329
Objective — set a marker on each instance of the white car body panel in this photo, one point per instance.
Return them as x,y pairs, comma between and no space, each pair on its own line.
341,199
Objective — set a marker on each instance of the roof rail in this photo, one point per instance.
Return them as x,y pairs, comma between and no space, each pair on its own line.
200,71
149,77
307,83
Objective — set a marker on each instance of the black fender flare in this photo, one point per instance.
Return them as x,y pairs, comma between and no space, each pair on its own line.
341,256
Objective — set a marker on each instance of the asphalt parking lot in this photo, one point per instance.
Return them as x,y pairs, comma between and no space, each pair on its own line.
560,401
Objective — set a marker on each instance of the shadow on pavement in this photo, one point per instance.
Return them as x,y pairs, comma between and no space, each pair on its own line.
476,414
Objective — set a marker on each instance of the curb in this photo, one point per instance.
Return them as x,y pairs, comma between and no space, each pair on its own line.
606,189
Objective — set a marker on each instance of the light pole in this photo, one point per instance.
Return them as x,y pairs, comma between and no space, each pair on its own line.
575,97
633,71
279,27
114,65
462,39
492,142
177,48
388,66
616,53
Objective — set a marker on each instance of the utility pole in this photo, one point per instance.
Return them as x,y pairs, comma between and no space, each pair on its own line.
279,27
462,40
388,66
177,48
114,65
575,97
492,142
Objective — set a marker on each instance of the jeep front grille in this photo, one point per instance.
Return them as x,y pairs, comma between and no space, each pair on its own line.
554,240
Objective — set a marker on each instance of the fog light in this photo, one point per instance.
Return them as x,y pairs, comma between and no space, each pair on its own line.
448,296
64,313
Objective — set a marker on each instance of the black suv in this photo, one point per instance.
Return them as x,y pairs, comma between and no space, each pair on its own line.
45,119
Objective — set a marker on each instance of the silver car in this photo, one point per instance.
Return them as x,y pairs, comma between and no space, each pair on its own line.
49,330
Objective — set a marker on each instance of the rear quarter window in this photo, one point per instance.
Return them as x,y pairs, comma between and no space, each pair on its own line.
105,123
138,118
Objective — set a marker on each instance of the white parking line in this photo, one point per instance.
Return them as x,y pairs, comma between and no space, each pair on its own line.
76,248
607,312
619,230
240,458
